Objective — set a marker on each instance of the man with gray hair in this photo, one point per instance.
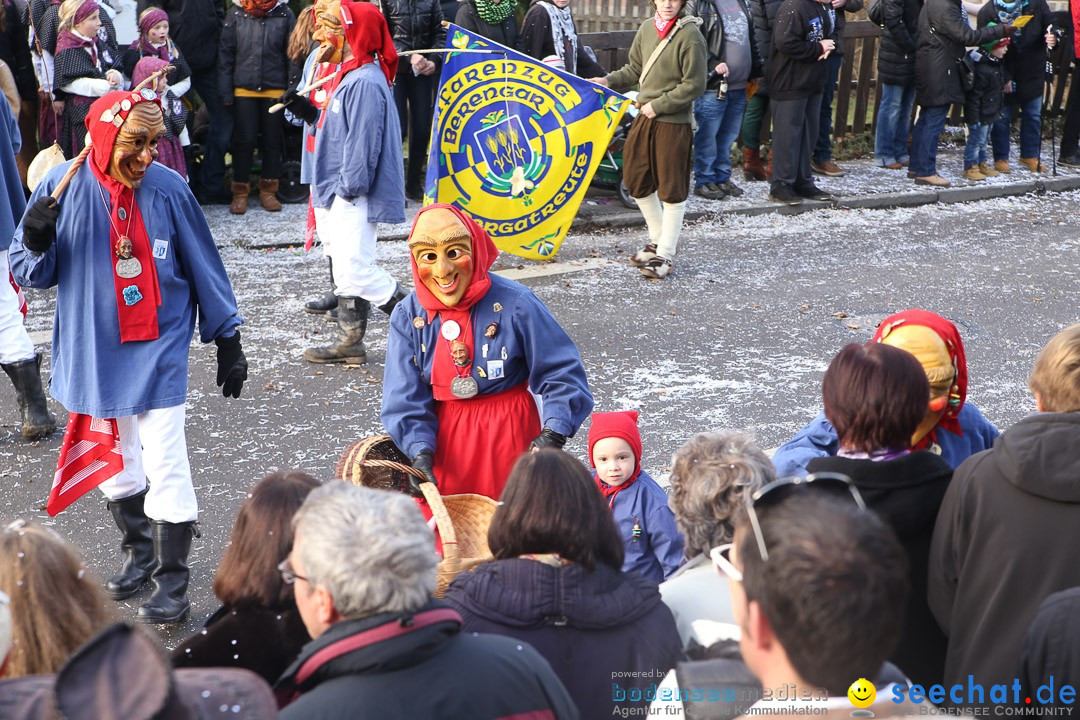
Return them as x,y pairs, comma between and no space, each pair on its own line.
363,569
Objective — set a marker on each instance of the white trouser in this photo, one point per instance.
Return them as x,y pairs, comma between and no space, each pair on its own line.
155,449
349,240
15,344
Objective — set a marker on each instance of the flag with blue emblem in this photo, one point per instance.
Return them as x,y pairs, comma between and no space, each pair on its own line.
515,142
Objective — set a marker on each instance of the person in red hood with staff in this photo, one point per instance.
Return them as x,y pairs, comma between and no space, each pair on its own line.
467,351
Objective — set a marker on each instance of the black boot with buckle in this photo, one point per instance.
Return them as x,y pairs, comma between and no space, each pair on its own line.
136,546
25,375
169,603
352,325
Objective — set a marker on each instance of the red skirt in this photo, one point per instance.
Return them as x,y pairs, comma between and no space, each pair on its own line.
481,438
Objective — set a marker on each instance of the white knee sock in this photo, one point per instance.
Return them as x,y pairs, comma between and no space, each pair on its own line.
654,215
670,229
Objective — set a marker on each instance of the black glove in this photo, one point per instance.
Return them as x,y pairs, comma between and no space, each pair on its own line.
548,438
39,225
425,463
299,106
231,365
1010,30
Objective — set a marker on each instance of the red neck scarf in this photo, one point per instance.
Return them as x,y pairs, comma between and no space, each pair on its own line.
484,252
258,8
137,298
369,40
951,337
664,28
610,491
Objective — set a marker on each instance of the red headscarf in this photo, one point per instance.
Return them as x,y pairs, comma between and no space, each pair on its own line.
622,425
138,317
367,35
951,337
484,252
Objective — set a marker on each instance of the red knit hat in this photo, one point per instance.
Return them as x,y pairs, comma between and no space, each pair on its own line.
616,424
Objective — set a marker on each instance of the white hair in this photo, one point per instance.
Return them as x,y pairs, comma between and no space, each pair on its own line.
370,549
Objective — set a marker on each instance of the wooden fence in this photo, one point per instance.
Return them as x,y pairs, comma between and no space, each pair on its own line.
858,91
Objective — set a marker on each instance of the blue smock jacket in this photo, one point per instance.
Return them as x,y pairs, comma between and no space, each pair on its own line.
11,195
358,148
92,371
658,550
818,439
529,345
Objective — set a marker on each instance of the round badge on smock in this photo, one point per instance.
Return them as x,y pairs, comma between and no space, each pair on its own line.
451,330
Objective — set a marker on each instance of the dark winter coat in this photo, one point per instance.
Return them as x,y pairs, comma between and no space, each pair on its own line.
764,14
16,53
415,25
263,640
401,667
1052,646
899,42
944,34
1005,539
1025,62
538,41
713,29
988,95
504,34
794,69
587,624
252,54
195,27
906,493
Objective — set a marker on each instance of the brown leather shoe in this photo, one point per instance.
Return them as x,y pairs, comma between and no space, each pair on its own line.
753,169
240,192
827,168
268,195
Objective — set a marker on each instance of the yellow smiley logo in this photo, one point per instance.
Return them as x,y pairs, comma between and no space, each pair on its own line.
862,693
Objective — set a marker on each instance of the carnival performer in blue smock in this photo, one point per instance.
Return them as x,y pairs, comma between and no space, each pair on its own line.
953,428
129,251
465,350
358,176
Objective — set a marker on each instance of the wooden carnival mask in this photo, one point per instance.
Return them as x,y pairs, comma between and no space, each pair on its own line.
136,143
442,249
329,31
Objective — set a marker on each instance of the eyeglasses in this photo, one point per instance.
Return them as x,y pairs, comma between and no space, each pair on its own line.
775,491
288,575
721,557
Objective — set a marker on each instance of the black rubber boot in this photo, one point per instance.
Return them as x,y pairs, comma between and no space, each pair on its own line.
325,303
136,546
352,325
25,375
399,295
169,603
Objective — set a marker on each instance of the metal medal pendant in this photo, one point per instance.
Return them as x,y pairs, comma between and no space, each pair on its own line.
451,330
128,268
464,387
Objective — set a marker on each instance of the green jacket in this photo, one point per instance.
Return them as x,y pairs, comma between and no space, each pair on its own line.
676,79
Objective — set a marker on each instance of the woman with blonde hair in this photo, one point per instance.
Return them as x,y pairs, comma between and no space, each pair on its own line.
56,605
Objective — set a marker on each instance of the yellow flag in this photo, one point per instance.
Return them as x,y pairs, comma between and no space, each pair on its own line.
515,142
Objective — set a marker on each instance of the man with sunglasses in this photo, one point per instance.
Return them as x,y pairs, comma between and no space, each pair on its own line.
818,587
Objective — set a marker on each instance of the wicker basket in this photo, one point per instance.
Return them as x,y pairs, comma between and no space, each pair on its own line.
462,519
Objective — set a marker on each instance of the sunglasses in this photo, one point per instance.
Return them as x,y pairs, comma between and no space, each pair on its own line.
721,557
835,483
288,575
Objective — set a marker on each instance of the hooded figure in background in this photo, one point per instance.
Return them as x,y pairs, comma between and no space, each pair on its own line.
133,262
953,428
467,354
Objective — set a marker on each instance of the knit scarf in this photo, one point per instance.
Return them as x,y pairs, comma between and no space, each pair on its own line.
1009,11
610,491
563,34
258,8
494,13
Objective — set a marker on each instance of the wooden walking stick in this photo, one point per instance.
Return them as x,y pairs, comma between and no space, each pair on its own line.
278,107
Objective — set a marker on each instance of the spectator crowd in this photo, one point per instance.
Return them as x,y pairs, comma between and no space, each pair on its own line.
899,568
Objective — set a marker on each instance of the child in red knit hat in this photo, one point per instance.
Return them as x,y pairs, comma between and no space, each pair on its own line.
654,547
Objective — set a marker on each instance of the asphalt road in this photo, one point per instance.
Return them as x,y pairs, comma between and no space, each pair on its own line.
738,338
